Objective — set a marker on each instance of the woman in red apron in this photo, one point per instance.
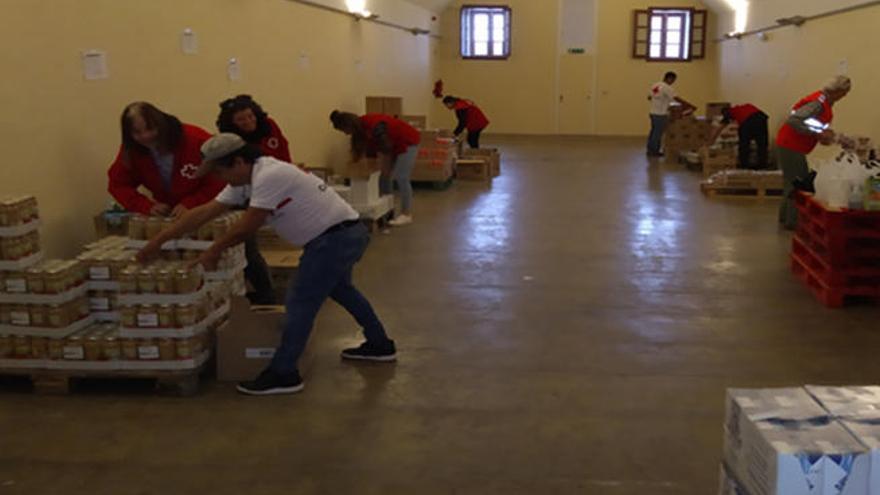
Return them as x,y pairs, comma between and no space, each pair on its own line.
470,117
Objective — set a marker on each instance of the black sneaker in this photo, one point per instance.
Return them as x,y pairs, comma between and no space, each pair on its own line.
370,352
271,383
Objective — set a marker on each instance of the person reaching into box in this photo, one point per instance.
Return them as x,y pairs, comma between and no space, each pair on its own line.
470,117
243,116
661,97
396,144
808,124
161,154
752,128
306,212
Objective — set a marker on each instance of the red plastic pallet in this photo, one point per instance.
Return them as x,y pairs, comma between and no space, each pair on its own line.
835,221
864,279
828,296
840,251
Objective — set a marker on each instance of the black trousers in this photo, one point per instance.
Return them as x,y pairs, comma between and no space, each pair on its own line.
754,129
257,273
473,139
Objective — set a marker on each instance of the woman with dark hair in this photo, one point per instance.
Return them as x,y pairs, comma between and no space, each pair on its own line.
243,116
470,117
246,118
163,155
393,141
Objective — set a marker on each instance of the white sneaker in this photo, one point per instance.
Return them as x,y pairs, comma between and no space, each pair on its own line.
400,220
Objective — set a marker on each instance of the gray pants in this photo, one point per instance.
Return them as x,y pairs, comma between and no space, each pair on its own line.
794,166
655,138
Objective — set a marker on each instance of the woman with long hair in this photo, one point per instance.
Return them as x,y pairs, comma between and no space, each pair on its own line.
161,154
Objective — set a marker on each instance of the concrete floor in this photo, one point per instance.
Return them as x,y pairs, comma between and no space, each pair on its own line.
570,329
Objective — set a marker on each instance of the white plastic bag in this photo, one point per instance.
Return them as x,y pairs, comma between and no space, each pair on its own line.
841,181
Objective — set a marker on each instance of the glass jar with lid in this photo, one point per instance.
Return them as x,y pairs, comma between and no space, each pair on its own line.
53,281
56,316
56,348
147,316
129,349
167,349
137,227
6,346
92,347
166,316
5,314
20,315
111,347
128,315
184,349
21,345
36,279
39,315
185,315
146,280
165,280
128,279
39,347
154,227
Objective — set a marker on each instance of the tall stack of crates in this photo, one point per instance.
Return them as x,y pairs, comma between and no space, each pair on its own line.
836,252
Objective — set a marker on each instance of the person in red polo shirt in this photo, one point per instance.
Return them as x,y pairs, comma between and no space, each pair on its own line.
470,117
752,129
161,154
395,142
243,116
808,125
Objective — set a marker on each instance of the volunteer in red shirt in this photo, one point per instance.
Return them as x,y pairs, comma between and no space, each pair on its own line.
808,125
393,141
243,116
161,154
470,117
752,128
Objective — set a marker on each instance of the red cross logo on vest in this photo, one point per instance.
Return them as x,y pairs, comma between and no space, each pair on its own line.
189,171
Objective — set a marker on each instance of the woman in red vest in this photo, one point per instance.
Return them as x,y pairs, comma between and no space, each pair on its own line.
163,155
808,125
395,142
470,117
243,116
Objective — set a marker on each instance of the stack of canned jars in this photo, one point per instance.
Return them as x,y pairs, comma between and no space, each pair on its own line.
19,247
46,277
45,315
101,342
17,210
163,277
181,315
143,228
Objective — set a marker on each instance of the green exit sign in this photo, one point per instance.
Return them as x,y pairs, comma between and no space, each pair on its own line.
577,51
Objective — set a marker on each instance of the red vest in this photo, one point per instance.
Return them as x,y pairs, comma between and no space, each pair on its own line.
476,119
402,134
141,170
791,139
741,113
275,144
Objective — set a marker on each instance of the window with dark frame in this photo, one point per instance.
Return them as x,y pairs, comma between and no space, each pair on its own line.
669,34
485,32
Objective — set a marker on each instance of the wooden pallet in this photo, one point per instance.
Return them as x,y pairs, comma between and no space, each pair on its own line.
758,191
183,383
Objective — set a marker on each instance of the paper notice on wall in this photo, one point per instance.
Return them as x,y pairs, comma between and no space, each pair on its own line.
233,70
189,42
95,65
304,61
843,67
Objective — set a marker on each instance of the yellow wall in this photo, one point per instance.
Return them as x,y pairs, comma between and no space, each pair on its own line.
60,133
520,94
517,94
793,62
623,82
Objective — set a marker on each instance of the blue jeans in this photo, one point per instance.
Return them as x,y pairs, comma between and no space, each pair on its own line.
325,271
655,139
403,167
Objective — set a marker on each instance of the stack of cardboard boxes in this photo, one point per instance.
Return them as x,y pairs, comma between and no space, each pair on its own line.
478,164
813,440
685,134
436,158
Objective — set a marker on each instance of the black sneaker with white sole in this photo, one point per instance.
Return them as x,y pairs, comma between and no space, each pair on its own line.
370,352
272,383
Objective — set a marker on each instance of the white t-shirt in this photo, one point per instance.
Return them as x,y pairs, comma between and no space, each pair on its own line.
302,205
662,95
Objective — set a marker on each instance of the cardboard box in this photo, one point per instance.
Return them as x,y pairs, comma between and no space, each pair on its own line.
363,168
714,109
388,105
492,155
364,190
417,121
245,346
782,442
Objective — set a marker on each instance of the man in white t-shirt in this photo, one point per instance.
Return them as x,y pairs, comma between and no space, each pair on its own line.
306,212
661,97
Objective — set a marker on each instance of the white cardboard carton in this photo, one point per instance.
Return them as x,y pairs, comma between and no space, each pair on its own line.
782,442
364,191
